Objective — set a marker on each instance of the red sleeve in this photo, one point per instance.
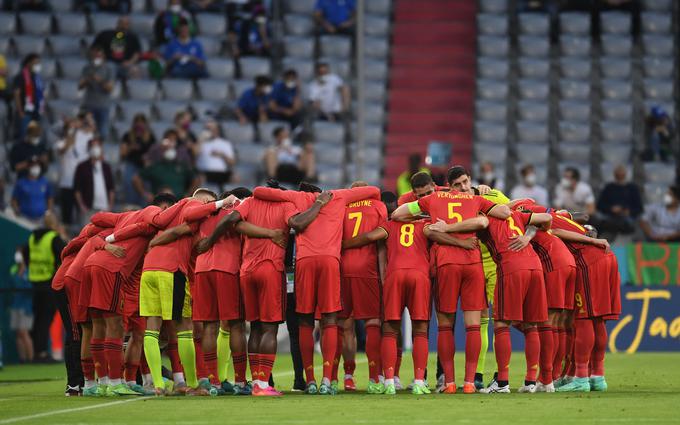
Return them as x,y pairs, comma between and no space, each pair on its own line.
406,198
357,194
92,230
382,212
162,219
525,218
484,205
133,231
275,195
73,246
198,212
424,203
243,208
106,219
289,211
98,243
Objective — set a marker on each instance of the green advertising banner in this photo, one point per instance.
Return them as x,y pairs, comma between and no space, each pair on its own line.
653,263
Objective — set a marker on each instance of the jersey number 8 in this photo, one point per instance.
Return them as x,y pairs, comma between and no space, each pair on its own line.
406,235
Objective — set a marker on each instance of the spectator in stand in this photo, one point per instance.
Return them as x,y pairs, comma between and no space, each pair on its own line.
112,6
404,179
185,137
122,47
487,176
167,172
335,16
286,102
157,151
135,144
661,223
619,205
93,183
184,55
252,106
528,188
287,162
72,149
166,26
574,195
21,309
4,89
216,158
660,135
28,150
29,93
97,79
248,28
329,95
32,195
32,6
198,6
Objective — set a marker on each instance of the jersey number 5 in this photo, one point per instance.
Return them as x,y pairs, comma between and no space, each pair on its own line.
355,216
406,235
453,215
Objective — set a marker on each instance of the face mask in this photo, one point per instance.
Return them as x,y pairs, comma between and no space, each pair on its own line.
36,68
286,143
95,152
170,154
176,8
34,170
267,89
530,179
98,61
18,257
206,134
291,84
261,19
35,141
565,182
489,176
186,125
667,199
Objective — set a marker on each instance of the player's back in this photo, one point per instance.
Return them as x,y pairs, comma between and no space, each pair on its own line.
361,217
225,254
553,253
584,254
86,252
407,246
499,235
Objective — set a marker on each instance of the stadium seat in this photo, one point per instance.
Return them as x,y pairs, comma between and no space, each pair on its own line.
265,129
616,89
49,68
616,110
376,25
4,44
71,23
301,6
491,111
571,110
60,109
613,67
658,89
574,153
616,45
615,22
25,44
533,111
335,46
206,109
374,113
616,153
331,177
534,46
240,86
376,47
491,132
576,68
375,70
654,192
534,68
142,89
254,66
304,67
659,172
129,108
379,7
574,132
212,24
534,24
533,153
491,45
329,154
142,24
8,24
212,46
493,6
532,132
213,89
575,23
616,132
373,134
492,89
220,68
237,133
67,90
167,109
177,89
492,24
301,25
493,68
574,89
302,47
375,91
533,89
657,5
571,45
71,66
657,67
657,45
328,132
248,174
656,23
65,45
371,172
492,152
103,21
35,23
343,68
250,153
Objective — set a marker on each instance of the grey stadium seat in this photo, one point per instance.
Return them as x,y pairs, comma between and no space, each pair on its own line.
376,25
335,46
142,24
371,173
35,23
375,91
142,89
492,24
250,153
338,66
177,89
254,66
380,7
331,177
576,68
71,66
8,24
4,44
615,22
376,47
490,110
657,5
616,89
374,113
212,24
492,89
301,6
656,45
491,132
71,23
247,173
63,108
49,68
220,68
67,90
167,109
493,6
534,46
26,44
658,89
160,127
493,68
533,111
239,86
532,132
615,153
64,45
575,23
491,45
657,172
213,89
375,70
616,132
212,46
612,67
103,21
61,5
304,67
574,111
206,109
574,132
533,89
534,68
654,192
298,46
237,133
494,153
266,128
328,132
534,23
298,24
653,22
616,110
533,153
575,153
657,67
373,134
329,153
130,108
616,45
573,45
574,89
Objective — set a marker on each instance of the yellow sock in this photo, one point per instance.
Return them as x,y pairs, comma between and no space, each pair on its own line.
223,354
484,331
153,357
187,354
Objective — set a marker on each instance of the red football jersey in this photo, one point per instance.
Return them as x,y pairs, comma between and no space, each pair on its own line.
552,252
270,215
225,255
407,246
361,217
91,248
497,238
411,196
453,207
584,254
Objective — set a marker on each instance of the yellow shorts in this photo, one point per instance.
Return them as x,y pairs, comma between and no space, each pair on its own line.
489,279
164,294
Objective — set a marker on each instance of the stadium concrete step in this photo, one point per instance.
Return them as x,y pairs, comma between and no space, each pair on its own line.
430,100
418,122
434,10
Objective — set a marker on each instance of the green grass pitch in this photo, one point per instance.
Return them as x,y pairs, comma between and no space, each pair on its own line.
643,388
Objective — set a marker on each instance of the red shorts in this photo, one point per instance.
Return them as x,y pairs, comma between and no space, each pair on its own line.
216,296
361,298
134,323
559,288
406,288
107,289
317,283
520,297
78,312
264,294
460,280
131,301
592,295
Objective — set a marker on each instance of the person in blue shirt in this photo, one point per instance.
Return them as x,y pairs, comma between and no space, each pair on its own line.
285,103
21,309
32,195
184,55
335,16
252,106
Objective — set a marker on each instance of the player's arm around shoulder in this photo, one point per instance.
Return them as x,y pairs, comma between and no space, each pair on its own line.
444,238
377,234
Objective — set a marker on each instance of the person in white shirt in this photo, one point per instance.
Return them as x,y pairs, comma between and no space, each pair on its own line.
93,183
329,95
216,157
287,162
574,195
488,176
528,188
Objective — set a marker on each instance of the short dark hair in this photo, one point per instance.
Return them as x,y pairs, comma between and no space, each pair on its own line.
262,80
308,187
421,179
241,192
29,58
388,197
455,172
164,198
574,172
170,132
290,72
675,190
321,64
525,169
278,130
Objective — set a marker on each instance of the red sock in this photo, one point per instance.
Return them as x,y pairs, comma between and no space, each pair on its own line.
307,350
88,368
201,368
143,365
388,348
210,362
350,365
584,340
329,346
254,361
545,335
173,354
559,341
101,366
445,348
338,353
420,354
131,371
240,365
266,366
113,349
503,350
569,352
473,344
532,352
397,367
597,360
373,351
